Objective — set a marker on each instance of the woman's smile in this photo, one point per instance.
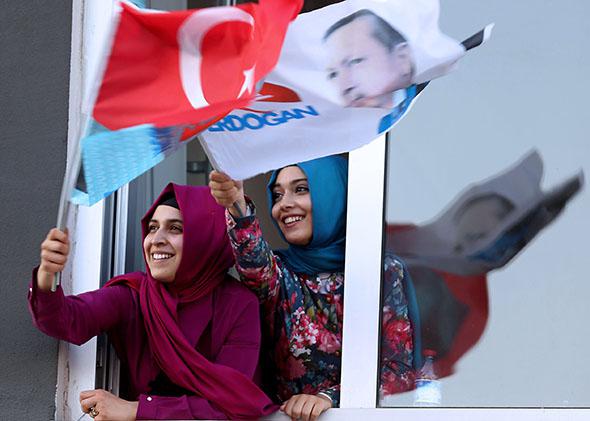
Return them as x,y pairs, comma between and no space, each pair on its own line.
292,206
161,256
291,221
163,243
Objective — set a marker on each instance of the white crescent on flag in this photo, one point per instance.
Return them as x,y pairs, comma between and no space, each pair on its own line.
190,39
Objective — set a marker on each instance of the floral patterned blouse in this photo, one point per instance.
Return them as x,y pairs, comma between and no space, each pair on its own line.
302,320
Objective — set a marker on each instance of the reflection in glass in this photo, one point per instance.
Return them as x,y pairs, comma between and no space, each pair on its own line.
489,223
448,259
428,387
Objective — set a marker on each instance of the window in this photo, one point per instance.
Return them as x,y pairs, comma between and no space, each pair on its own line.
522,337
486,203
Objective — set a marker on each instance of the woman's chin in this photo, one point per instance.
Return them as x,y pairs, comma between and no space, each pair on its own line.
164,278
298,240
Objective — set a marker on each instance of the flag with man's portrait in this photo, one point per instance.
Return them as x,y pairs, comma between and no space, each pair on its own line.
347,73
483,229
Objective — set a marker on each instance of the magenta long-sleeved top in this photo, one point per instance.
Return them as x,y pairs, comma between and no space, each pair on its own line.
231,336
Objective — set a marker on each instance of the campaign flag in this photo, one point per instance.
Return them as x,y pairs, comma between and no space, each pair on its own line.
347,72
489,223
167,76
483,229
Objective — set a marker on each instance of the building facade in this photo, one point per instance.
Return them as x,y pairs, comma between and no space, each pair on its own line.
524,336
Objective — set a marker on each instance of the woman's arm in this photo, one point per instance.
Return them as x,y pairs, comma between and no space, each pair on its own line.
397,337
255,262
152,407
240,351
77,318
257,265
74,319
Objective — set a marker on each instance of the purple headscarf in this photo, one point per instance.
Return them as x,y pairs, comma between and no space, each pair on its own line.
206,257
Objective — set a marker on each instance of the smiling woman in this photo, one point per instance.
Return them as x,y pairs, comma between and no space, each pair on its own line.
162,246
301,288
291,206
186,332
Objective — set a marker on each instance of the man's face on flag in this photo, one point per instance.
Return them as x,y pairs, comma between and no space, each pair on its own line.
365,71
478,219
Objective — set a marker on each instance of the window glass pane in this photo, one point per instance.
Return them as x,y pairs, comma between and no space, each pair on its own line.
486,205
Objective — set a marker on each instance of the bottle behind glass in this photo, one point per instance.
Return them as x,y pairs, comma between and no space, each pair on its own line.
428,387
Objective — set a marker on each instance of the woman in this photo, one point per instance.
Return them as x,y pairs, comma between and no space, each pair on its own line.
301,288
186,333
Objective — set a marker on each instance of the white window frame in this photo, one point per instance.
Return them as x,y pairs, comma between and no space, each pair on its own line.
362,292
76,365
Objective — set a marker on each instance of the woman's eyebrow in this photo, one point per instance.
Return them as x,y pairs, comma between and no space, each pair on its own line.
298,181
290,182
170,221
174,221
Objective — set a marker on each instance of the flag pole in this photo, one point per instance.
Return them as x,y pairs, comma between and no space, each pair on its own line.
86,105
212,161
67,188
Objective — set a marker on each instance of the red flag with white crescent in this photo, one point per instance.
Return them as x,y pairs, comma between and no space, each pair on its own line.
189,67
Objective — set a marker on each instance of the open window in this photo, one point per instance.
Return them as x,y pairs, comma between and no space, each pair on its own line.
510,334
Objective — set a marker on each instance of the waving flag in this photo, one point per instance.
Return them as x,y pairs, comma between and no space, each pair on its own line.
167,77
489,223
347,73
481,230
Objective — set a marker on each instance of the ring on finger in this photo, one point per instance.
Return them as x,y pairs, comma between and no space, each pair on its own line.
93,412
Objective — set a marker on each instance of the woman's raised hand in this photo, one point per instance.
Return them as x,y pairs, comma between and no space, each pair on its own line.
228,192
54,255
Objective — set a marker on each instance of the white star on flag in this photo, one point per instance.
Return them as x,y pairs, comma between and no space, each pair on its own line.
248,81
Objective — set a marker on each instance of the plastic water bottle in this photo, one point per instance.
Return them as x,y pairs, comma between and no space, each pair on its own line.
428,387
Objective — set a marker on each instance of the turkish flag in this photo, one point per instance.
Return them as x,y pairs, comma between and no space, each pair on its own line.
189,67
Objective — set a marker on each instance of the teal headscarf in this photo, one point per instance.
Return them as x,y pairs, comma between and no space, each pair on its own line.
327,178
